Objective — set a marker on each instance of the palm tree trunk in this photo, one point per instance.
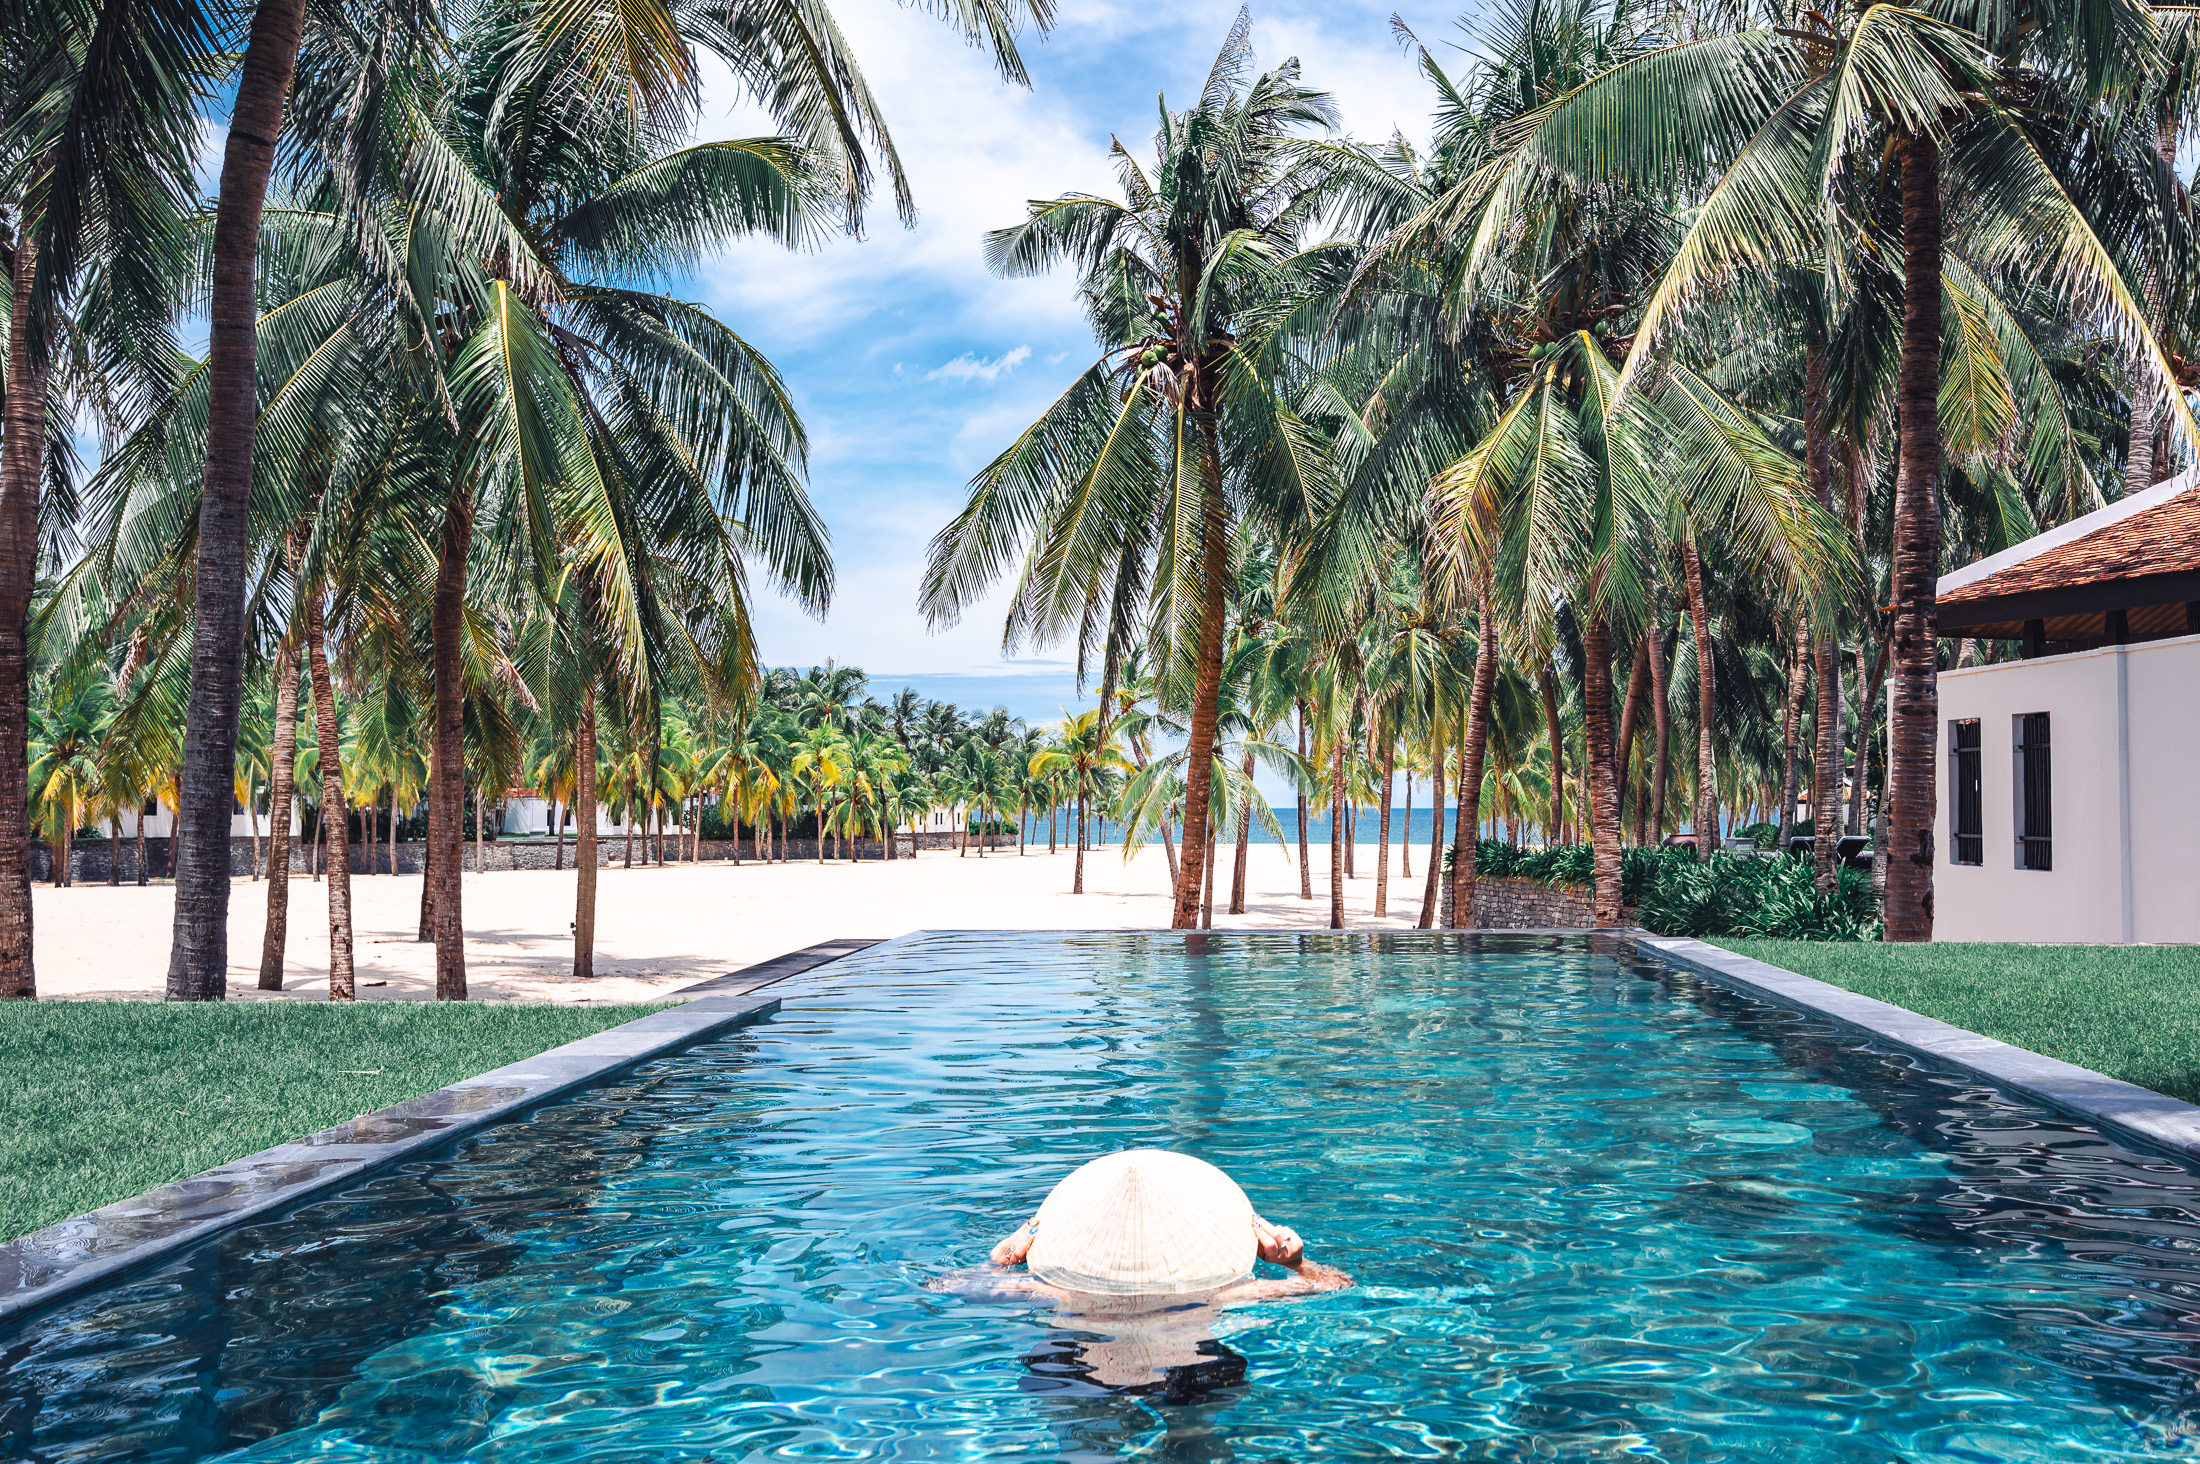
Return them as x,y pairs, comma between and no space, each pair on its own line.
22,462
393,828
1915,713
1603,789
426,932
142,876
114,850
1244,845
1868,679
584,838
1825,762
1077,879
198,963
2157,463
1405,839
1207,691
1336,834
367,813
1207,895
557,825
1472,749
1630,722
1306,867
1382,840
1791,728
447,763
2146,403
341,983
64,866
1661,717
1435,824
1556,831
1707,768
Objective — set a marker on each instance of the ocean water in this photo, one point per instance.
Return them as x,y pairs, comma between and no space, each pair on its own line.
1366,826
1596,1210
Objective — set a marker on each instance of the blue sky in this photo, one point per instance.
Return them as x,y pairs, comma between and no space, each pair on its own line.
911,364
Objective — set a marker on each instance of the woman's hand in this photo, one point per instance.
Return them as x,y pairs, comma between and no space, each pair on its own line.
1279,1243
1011,1251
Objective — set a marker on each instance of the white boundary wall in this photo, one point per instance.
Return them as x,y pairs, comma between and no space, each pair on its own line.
2125,735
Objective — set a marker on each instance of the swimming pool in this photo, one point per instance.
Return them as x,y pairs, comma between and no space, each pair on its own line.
1599,1209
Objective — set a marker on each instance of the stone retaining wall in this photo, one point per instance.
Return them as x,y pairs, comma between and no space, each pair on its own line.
89,858
1529,904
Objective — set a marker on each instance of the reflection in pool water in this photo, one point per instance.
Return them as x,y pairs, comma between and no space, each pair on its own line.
1600,1210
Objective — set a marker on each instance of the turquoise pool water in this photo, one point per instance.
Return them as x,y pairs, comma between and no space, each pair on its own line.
1599,1210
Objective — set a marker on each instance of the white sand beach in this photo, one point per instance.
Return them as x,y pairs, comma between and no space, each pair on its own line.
659,929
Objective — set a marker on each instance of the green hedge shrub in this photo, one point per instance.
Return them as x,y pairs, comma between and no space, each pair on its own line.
1758,899
1676,894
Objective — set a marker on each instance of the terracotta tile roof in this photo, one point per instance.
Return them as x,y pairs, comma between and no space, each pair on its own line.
2162,539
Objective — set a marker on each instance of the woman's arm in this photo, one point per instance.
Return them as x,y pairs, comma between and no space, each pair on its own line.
1011,1250
1306,1279
1282,1245
992,1283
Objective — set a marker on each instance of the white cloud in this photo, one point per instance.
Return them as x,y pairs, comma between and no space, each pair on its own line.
968,367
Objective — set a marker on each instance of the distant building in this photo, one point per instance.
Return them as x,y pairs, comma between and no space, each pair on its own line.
160,820
527,812
2070,807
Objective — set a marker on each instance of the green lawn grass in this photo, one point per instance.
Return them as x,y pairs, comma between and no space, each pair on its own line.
2132,1012
102,1099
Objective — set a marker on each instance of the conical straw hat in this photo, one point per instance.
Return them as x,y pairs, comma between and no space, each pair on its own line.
1144,1222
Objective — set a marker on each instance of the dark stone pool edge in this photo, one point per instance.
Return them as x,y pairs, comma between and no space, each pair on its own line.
86,1251
2141,1113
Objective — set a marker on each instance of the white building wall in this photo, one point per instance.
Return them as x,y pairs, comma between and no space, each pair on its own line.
2164,733
532,816
160,823
2126,797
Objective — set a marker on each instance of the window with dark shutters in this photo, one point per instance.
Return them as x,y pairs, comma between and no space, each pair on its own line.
2035,794
1967,816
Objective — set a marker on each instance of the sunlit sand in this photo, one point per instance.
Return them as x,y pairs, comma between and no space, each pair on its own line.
659,929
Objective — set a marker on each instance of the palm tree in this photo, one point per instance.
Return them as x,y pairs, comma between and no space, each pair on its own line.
672,399
828,695
1081,751
98,147
1123,498
1787,131
328,755
821,758
1577,487
873,761
68,730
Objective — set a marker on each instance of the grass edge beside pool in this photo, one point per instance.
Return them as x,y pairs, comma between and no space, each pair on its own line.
106,1099
2132,1012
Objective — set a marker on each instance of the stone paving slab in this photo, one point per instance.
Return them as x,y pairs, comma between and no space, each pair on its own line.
89,1250
2138,1112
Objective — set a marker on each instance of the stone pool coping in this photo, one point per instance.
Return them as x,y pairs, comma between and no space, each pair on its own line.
88,1250
2141,1113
